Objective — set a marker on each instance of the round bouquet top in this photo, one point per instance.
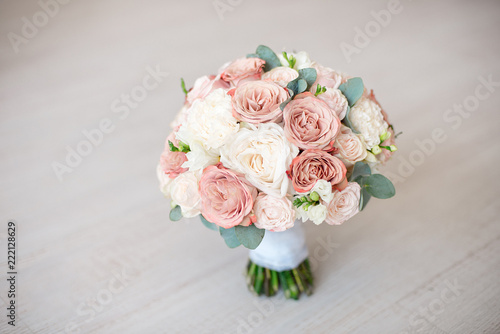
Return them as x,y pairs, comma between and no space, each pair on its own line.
272,138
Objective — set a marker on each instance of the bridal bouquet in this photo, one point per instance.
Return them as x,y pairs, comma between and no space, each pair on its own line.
270,140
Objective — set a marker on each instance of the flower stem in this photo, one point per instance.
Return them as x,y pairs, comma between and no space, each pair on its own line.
294,282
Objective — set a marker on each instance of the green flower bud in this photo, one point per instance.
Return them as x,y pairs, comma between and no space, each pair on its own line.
314,196
376,150
384,136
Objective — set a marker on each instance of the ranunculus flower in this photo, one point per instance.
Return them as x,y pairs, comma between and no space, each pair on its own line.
302,60
226,198
273,214
344,205
350,146
281,75
171,163
184,192
335,100
263,155
204,86
366,117
259,102
326,77
310,123
313,165
243,69
209,121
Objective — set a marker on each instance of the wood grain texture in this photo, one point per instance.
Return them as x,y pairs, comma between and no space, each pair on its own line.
423,262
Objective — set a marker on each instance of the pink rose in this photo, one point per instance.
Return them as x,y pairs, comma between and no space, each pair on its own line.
350,146
204,86
326,77
310,123
335,100
313,165
273,213
226,197
171,163
344,205
258,102
281,75
243,69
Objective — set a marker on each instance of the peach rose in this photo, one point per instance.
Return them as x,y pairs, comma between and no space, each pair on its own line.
310,123
204,86
326,77
171,163
350,146
259,102
226,198
313,165
335,100
281,75
344,205
243,69
273,214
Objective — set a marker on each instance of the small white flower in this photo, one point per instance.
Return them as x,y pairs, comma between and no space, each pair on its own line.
317,213
302,57
366,117
324,190
209,121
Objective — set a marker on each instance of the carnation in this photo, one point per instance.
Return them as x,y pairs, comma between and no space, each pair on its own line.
366,117
210,121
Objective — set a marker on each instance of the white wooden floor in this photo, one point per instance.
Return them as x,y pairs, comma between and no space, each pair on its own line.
96,252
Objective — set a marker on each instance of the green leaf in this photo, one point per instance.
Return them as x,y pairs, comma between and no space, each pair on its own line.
309,75
352,90
252,55
284,103
183,86
365,197
176,214
229,237
379,186
172,147
297,85
360,169
249,236
269,56
208,224
183,147
347,121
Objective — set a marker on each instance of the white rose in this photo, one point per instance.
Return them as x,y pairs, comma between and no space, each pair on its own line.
280,75
302,57
199,158
344,205
273,214
263,155
165,181
366,117
350,146
184,192
335,100
317,213
209,121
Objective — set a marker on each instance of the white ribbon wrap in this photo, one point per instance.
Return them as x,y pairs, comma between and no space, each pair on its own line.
281,251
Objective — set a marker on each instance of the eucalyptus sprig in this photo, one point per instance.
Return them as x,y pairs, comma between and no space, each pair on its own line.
183,147
291,61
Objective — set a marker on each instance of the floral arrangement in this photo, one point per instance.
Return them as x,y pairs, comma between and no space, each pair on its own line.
271,139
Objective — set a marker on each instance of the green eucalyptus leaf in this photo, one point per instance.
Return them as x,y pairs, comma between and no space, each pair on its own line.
309,75
379,186
249,236
352,90
269,56
208,224
176,214
297,85
284,103
360,169
229,237
252,55
365,197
